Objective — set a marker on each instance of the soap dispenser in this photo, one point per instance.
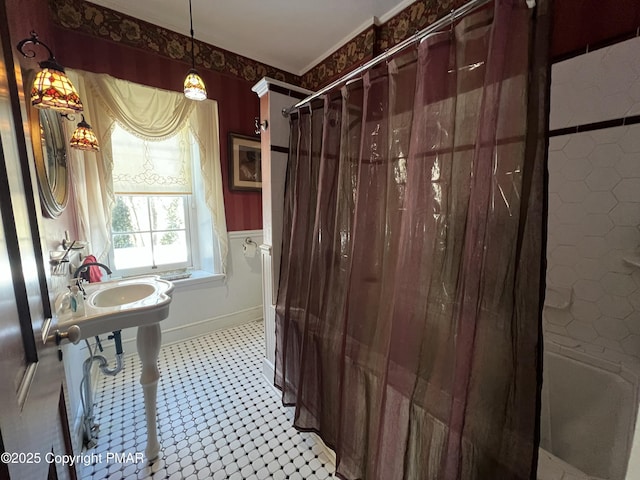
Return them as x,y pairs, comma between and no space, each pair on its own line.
77,302
65,305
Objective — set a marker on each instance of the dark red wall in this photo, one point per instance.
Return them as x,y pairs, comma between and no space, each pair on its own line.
237,104
27,15
578,23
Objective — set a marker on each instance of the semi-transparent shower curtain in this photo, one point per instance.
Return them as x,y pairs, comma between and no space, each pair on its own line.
409,309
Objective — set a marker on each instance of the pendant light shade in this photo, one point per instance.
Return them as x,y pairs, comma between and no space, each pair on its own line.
51,87
83,138
194,88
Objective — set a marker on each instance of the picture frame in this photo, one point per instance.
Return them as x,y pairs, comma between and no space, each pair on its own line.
245,167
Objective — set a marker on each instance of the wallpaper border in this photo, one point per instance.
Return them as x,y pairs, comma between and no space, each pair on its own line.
107,24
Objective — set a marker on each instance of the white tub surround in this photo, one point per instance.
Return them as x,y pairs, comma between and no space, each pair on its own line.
594,204
551,467
588,412
592,309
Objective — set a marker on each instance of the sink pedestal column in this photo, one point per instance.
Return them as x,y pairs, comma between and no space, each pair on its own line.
148,343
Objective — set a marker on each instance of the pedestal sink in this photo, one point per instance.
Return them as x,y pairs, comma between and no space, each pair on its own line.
136,302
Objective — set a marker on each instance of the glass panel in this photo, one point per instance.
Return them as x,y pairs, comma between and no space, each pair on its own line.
170,247
150,231
130,214
167,213
132,250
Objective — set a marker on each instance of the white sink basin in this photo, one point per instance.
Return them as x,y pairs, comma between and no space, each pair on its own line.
122,295
111,306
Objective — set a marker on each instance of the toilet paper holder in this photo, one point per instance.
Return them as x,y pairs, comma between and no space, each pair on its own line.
249,247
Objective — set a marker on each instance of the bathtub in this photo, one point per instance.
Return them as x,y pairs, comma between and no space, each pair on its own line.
588,416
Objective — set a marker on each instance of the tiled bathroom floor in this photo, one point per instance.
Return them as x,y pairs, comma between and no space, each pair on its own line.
217,417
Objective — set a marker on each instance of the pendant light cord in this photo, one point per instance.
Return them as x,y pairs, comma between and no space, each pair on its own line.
193,55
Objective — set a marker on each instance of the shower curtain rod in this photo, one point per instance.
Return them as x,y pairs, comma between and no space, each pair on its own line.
433,28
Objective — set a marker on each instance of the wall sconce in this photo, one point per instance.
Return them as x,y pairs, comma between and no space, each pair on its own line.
51,87
83,137
261,126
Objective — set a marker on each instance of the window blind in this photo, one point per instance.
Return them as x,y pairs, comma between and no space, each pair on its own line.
151,167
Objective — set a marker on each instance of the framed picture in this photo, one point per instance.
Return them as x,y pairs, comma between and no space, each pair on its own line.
245,172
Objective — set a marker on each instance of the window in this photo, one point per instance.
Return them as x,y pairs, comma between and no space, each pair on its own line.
152,229
149,230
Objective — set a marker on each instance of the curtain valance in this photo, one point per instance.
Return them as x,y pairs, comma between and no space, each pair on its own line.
151,114
146,112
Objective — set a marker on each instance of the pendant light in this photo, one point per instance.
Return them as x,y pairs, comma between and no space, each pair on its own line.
194,88
83,138
51,87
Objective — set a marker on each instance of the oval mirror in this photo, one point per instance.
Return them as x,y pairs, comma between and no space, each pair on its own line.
50,154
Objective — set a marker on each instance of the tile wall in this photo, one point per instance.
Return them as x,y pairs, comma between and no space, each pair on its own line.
601,85
593,276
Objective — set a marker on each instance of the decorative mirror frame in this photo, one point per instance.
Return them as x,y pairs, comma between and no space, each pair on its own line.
51,159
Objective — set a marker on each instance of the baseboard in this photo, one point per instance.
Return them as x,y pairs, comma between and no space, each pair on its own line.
190,330
268,372
221,322
329,455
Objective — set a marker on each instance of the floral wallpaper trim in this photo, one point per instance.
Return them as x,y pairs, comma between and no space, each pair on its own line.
377,39
412,19
108,24
355,52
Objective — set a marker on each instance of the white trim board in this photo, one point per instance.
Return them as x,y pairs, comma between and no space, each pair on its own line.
244,233
190,330
268,375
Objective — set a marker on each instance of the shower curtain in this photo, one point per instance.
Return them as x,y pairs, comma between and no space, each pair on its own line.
408,319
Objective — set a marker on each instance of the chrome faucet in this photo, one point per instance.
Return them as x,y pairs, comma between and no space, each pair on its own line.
83,268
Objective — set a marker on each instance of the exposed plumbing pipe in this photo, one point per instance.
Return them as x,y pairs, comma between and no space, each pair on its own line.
90,428
104,364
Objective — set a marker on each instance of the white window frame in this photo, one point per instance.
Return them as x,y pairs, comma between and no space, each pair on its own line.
203,241
192,242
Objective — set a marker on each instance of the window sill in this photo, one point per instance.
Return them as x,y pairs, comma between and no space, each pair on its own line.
199,277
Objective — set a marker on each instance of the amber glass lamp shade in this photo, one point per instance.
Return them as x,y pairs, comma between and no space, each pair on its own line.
53,89
83,138
194,88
